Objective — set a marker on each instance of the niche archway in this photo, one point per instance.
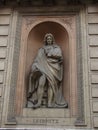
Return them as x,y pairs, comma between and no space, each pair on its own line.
35,41
33,32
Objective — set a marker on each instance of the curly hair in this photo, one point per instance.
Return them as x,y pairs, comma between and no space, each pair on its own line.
48,35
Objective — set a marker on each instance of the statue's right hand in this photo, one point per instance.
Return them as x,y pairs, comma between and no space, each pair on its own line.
33,68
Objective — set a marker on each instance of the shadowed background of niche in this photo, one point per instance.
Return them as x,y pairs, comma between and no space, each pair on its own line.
35,41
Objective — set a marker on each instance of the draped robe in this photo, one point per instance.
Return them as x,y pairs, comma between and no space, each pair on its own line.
48,62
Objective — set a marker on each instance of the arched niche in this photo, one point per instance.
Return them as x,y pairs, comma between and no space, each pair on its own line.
33,32
35,41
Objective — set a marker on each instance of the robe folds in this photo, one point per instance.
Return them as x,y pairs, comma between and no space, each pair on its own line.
48,62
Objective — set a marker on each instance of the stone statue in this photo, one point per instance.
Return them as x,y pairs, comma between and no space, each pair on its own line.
46,76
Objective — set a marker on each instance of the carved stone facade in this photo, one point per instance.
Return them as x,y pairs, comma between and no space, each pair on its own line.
21,34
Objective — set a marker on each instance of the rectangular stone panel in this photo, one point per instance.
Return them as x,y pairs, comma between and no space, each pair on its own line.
93,9
2,52
94,64
1,65
95,106
93,40
93,29
5,11
95,121
94,78
4,19
1,77
0,91
4,30
3,41
50,113
94,52
95,92
93,18
0,110
43,121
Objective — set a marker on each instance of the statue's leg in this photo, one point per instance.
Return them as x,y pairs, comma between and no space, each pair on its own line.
40,91
50,96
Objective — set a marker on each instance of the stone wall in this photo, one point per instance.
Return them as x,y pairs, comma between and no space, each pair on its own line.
5,18
92,28
8,22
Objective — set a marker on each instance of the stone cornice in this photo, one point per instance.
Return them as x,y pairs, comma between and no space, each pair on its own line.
45,2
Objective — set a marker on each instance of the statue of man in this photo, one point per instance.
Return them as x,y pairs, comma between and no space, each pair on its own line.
47,74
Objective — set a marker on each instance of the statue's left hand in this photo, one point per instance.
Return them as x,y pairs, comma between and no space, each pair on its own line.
29,95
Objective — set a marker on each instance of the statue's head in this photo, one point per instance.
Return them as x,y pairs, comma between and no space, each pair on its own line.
49,39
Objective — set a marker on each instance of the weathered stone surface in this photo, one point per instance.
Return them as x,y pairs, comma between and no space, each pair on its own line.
4,19
93,40
2,52
93,18
0,109
94,52
5,11
44,121
93,29
95,121
34,43
1,78
93,9
0,91
94,78
95,106
4,30
1,65
95,91
94,64
3,41
42,112
0,117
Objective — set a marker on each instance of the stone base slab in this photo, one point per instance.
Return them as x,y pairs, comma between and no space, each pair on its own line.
46,112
